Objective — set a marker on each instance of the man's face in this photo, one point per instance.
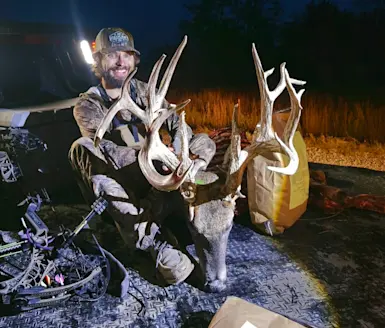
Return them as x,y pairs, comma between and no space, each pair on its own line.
116,67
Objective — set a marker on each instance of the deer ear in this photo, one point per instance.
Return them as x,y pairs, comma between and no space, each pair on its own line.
229,202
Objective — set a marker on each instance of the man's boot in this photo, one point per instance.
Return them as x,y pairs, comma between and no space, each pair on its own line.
174,266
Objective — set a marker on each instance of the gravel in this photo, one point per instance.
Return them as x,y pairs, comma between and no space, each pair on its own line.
353,158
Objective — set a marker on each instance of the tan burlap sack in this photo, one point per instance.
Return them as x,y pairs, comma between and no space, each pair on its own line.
277,201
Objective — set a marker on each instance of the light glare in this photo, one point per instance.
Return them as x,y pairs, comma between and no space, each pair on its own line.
87,53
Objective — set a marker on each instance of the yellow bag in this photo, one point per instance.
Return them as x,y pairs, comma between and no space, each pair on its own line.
277,201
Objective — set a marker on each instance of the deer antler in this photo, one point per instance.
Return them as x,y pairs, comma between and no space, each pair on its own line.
266,139
153,118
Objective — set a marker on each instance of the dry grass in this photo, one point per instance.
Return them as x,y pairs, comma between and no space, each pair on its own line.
322,116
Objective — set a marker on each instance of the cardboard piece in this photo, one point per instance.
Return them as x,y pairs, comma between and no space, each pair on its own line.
238,313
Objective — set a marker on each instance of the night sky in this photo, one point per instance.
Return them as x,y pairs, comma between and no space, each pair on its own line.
152,22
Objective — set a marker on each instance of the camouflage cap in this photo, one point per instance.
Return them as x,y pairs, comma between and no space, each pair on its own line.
114,39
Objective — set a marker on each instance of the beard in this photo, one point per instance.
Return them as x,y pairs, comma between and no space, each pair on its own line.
111,80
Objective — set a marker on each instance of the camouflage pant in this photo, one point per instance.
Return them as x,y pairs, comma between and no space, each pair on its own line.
136,208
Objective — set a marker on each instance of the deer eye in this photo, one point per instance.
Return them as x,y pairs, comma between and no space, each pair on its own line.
188,195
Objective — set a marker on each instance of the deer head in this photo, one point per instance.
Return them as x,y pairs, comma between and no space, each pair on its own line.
210,198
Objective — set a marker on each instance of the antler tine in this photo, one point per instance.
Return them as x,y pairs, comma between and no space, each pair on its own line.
235,144
155,119
123,102
296,107
165,83
155,114
228,156
151,91
291,126
267,97
235,159
184,155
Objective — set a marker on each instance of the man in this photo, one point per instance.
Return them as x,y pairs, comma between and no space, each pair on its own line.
140,215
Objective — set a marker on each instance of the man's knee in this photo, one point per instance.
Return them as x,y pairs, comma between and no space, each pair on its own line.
85,158
202,146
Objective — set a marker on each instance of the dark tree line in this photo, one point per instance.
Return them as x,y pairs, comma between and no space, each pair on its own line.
334,50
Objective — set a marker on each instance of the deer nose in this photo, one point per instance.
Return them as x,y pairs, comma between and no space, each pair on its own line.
215,286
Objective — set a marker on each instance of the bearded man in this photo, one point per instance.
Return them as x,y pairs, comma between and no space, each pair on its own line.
138,210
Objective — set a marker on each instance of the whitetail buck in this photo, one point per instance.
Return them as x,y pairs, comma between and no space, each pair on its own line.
210,198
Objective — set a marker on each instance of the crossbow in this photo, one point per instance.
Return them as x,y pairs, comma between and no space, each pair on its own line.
39,268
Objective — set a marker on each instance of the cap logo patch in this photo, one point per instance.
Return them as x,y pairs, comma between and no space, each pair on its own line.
118,39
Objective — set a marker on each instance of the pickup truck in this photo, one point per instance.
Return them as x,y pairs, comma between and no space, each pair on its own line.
42,71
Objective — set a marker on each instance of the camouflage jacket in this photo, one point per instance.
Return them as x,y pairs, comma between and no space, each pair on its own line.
93,105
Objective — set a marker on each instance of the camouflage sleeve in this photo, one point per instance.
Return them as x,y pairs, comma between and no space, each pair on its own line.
88,115
125,114
172,126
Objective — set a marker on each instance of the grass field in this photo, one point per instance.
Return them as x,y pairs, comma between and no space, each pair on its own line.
323,116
